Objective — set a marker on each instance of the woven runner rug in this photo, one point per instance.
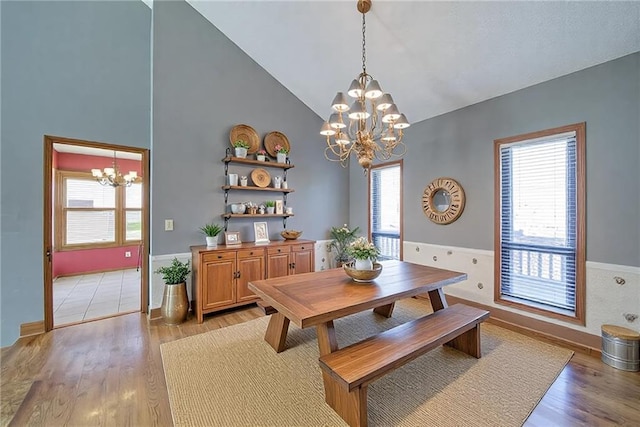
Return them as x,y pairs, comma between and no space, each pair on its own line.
232,377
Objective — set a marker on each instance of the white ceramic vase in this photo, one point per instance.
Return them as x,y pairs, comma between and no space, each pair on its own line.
363,264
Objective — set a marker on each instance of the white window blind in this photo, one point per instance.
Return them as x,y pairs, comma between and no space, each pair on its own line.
538,217
385,210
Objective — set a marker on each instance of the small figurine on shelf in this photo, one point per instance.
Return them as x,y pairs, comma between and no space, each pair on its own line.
261,209
243,181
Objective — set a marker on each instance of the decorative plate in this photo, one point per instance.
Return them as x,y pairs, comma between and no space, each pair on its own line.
260,177
247,134
275,138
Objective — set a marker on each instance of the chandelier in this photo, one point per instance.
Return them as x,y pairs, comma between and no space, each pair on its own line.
113,177
374,128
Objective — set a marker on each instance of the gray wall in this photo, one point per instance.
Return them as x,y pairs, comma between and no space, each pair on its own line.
204,85
73,69
460,145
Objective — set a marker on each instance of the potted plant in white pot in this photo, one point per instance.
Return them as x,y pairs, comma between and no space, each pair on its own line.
261,155
175,302
211,232
364,253
281,153
241,147
270,205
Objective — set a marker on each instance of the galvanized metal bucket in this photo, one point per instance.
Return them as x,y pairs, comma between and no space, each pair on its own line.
621,348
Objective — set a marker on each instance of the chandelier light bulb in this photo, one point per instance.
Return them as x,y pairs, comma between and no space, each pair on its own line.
340,103
335,121
401,123
327,130
358,112
391,114
355,90
373,90
384,102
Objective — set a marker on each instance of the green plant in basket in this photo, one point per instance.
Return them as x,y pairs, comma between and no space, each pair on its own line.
211,230
241,144
175,273
361,248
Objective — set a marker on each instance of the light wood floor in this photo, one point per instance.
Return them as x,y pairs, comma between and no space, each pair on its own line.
110,372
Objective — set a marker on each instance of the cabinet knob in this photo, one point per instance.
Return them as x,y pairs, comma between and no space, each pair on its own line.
279,250
219,256
250,253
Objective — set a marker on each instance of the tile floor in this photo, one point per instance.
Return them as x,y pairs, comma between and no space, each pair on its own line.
87,297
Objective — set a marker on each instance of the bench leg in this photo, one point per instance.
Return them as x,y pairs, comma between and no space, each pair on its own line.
351,406
385,310
277,330
468,342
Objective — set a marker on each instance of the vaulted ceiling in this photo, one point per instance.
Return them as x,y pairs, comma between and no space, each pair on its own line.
432,56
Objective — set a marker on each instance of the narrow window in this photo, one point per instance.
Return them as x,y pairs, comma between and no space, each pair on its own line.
540,222
385,209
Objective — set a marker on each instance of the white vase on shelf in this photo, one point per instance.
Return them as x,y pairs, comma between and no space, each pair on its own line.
363,264
282,157
241,152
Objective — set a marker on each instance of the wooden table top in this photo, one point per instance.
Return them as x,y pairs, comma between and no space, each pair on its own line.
312,298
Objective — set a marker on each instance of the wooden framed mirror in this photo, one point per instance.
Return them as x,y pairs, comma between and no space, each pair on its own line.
443,200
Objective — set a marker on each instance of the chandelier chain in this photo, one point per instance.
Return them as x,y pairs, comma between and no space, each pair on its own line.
364,49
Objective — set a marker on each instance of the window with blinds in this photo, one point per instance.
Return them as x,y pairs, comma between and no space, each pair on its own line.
92,215
385,188
540,231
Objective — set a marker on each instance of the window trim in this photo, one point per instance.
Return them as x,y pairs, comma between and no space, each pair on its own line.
60,244
369,207
580,297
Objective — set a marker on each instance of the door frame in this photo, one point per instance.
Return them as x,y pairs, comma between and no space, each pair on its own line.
48,219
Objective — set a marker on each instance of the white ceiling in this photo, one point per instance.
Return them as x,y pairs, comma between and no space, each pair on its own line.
432,56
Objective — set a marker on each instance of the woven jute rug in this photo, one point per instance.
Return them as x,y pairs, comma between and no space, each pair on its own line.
232,377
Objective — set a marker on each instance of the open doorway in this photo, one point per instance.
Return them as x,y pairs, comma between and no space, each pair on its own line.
95,234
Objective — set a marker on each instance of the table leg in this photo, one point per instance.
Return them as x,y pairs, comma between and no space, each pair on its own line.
385,310
276,334
326,338
438,300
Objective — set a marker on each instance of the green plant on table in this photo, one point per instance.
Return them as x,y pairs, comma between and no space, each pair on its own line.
175,273
211,230
361,248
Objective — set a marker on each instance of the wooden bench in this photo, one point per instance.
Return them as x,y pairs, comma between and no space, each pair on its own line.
348,371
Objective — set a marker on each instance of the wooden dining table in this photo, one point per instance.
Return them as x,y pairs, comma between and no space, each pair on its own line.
319,298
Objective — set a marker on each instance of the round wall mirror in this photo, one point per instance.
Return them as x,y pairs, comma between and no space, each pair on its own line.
443,200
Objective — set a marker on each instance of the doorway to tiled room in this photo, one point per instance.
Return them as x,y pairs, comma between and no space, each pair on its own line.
96,256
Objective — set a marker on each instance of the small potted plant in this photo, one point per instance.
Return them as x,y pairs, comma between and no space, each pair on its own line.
342,238
211,232
270,205
281,153
261,155
175,303
364,252
241,147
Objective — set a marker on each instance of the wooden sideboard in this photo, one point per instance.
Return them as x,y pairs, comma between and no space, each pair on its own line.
221,275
